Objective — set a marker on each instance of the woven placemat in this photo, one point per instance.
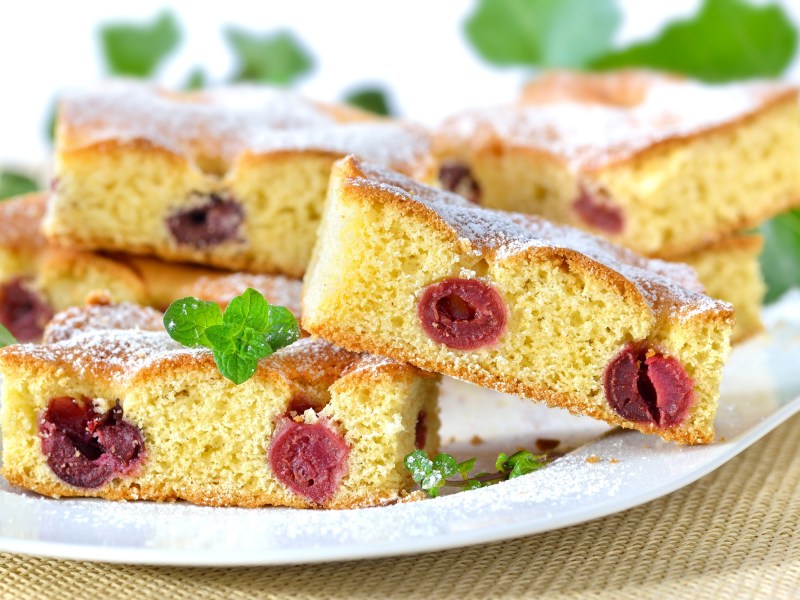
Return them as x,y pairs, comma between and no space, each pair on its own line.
735,533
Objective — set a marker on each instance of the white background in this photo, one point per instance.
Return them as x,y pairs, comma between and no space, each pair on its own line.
417,47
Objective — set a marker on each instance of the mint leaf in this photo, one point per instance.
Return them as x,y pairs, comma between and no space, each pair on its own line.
283,329
236,366
196,80
445,464
248,310
432,483
222,337
187,320
418,464
6,337
248,330
137,50
780,259
521,463
371,99
13,183
546,33
466,466
277,58
724,41
432,475
51,121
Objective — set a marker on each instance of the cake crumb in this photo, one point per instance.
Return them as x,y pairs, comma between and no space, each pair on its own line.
547,444
593,459
476,440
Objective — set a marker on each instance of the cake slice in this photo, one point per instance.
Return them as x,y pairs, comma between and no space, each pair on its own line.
109,406
23,310
658,164
729,270
38,278
515,303
230,177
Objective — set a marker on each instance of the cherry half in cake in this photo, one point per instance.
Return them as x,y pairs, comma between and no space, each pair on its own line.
85,448
309,458
645,386
23,311
463,314
598,212
216,221
457,177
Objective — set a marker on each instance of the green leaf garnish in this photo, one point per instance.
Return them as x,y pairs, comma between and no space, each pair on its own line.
371,99
283,330
249,330
780,259
277,58
196,80
187,320
13,183
724,41
566,33
6,337
520,463
432,475
138,50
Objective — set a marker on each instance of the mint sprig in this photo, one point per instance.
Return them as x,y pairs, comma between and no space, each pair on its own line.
372,99
433,475
278,58
6,337
249,330
138,49
567,33
726,40
14,184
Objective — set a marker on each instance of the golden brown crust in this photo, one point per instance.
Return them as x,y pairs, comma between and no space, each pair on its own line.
114,491
21,219
670,291
575,404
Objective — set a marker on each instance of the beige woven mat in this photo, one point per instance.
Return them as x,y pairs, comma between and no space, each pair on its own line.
733,534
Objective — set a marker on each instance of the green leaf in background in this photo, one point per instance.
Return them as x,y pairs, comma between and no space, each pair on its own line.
6,337
14,184
276,58
372,99
51,121
780,260
726,40
196,80
138,50
546,33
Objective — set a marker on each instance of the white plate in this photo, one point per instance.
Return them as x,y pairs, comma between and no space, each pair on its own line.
761,389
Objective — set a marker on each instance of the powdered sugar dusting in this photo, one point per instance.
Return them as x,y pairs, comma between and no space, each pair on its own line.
20,222
118,341
225,122
587,135
668,287
384,143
